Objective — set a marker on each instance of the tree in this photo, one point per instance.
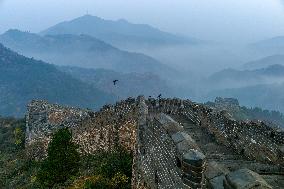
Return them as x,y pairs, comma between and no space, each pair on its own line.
62,162
118,161
19,136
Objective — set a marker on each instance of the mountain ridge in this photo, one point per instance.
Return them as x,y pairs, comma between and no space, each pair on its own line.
23,79
267,96
119,31
264,62
129,84
274,45
81,50
234,78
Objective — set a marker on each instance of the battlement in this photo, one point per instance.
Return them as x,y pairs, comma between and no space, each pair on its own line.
168,157
169,139
102,130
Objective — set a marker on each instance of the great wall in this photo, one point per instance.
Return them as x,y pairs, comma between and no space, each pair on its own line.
176,143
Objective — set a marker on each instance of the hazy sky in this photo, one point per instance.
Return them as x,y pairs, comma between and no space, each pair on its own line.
218,20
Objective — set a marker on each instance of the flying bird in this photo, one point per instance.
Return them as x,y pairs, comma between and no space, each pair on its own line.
160,95
115,81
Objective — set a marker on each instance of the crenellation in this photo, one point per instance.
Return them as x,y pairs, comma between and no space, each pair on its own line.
166,153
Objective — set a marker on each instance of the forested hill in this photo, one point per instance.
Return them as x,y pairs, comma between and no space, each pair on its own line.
82,51
23,79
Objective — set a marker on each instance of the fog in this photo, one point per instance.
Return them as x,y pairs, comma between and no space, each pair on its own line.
229,24
226,28
227,21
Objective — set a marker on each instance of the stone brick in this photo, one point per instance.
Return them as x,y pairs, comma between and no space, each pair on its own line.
245,179
194,157
165,155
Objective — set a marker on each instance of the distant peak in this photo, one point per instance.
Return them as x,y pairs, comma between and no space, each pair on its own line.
15,31
89,16
275,66
278,37
122,20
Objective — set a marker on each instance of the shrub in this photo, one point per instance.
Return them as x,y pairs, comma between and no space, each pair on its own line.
118,161
19,136
62,162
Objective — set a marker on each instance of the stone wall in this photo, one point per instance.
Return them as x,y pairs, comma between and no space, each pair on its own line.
165,155
253,139
229,104
93,131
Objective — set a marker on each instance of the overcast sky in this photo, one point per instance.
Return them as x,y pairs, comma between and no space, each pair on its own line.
218,20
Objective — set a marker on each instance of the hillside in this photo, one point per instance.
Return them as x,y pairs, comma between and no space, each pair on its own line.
81,51
273,45
130,84
120,32
24,79
232,78
266,61
261,87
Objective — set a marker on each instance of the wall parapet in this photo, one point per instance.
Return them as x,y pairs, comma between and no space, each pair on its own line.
165,155
168,156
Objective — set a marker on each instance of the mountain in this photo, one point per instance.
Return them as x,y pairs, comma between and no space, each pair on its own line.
23,79
274,70
120,32
273,45
131,84
256,88
81,51
232,78
266,61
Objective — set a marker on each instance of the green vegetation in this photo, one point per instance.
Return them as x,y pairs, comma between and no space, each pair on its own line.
11,134
109,170
23,79
62,161
19,135
63,168
16,170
